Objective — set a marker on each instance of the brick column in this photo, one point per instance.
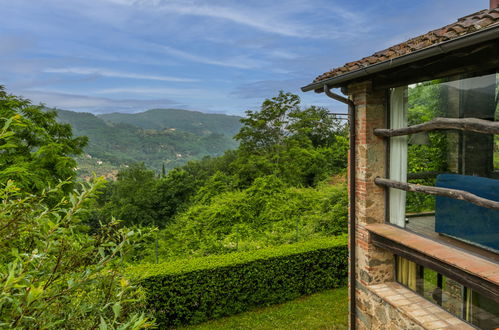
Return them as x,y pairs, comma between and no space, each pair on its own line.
373,265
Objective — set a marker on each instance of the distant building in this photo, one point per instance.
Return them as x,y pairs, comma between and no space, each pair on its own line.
424,117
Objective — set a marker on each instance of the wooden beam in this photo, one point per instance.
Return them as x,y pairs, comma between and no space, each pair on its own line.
445,192
463,124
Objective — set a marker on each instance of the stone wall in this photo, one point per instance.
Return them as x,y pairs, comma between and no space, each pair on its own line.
382,303
373,312
373,265
392,306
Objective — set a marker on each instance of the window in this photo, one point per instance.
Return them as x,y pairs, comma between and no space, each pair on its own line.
455,298
462,160
496,138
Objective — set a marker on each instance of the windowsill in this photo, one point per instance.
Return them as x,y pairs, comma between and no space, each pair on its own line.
416,308
425,225
466,262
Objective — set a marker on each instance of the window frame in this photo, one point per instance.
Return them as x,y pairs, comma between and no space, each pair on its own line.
472,281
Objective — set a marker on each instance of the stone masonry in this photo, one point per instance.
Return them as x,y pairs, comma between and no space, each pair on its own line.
375,266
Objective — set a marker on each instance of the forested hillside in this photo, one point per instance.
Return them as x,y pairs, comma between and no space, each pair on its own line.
284,183
157,138
190,121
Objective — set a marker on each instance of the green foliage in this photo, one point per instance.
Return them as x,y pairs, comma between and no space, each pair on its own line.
325,310
195,122
311,140
53,274
268,213
269,191
281,118
496,136
132,198
37,150
194,290
263,130
158,138
424,103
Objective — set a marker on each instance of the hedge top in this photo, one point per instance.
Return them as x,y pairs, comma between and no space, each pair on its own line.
183,266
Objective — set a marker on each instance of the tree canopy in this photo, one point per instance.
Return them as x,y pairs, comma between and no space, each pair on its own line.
35,149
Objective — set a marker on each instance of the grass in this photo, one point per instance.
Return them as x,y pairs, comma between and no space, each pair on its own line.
324,310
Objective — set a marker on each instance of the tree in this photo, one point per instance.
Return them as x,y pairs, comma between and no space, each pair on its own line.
53,274
302,146
132,198
281,118
265,129
37,151
317,125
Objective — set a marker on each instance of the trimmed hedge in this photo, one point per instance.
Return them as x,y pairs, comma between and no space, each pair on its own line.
194,290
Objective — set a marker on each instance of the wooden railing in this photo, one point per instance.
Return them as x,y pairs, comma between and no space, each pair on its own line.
462,124
445,192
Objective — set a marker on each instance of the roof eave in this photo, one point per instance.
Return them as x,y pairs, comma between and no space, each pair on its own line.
437,49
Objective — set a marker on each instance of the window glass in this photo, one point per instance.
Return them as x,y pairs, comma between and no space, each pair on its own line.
481,311
452,159
452,296
496,137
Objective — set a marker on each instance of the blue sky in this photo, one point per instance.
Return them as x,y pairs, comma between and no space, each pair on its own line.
214,56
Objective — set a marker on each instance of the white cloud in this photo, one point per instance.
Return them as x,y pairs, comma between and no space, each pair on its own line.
242,17
241,62
115,74
282,54
93,104
284,19
152,91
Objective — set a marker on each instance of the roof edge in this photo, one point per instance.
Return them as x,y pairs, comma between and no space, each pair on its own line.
437,49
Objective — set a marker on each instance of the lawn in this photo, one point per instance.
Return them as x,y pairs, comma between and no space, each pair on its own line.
325,310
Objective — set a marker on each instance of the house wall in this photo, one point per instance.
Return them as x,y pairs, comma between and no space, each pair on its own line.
380,302
373,265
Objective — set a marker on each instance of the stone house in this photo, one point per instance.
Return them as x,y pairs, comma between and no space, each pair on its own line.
424,178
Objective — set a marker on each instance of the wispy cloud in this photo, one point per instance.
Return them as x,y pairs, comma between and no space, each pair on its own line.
92,103
267,88
239,16
237,52
284,20
151,91
115,74
287,55
241,62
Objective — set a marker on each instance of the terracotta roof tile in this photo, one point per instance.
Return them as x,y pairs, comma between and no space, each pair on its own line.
464,25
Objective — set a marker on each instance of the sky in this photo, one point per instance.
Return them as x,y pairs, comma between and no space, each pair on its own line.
216,56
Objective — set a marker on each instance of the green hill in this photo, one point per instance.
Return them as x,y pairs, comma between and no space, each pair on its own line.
190,121
156,137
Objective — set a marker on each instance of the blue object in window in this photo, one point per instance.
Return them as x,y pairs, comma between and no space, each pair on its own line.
465,220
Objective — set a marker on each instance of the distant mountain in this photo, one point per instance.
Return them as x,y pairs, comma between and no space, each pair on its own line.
156,137
189,121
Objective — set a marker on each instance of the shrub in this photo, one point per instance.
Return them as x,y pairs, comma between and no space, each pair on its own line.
268,213
193,290
53,274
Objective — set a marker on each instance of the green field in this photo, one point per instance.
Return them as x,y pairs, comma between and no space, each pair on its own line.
325,310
